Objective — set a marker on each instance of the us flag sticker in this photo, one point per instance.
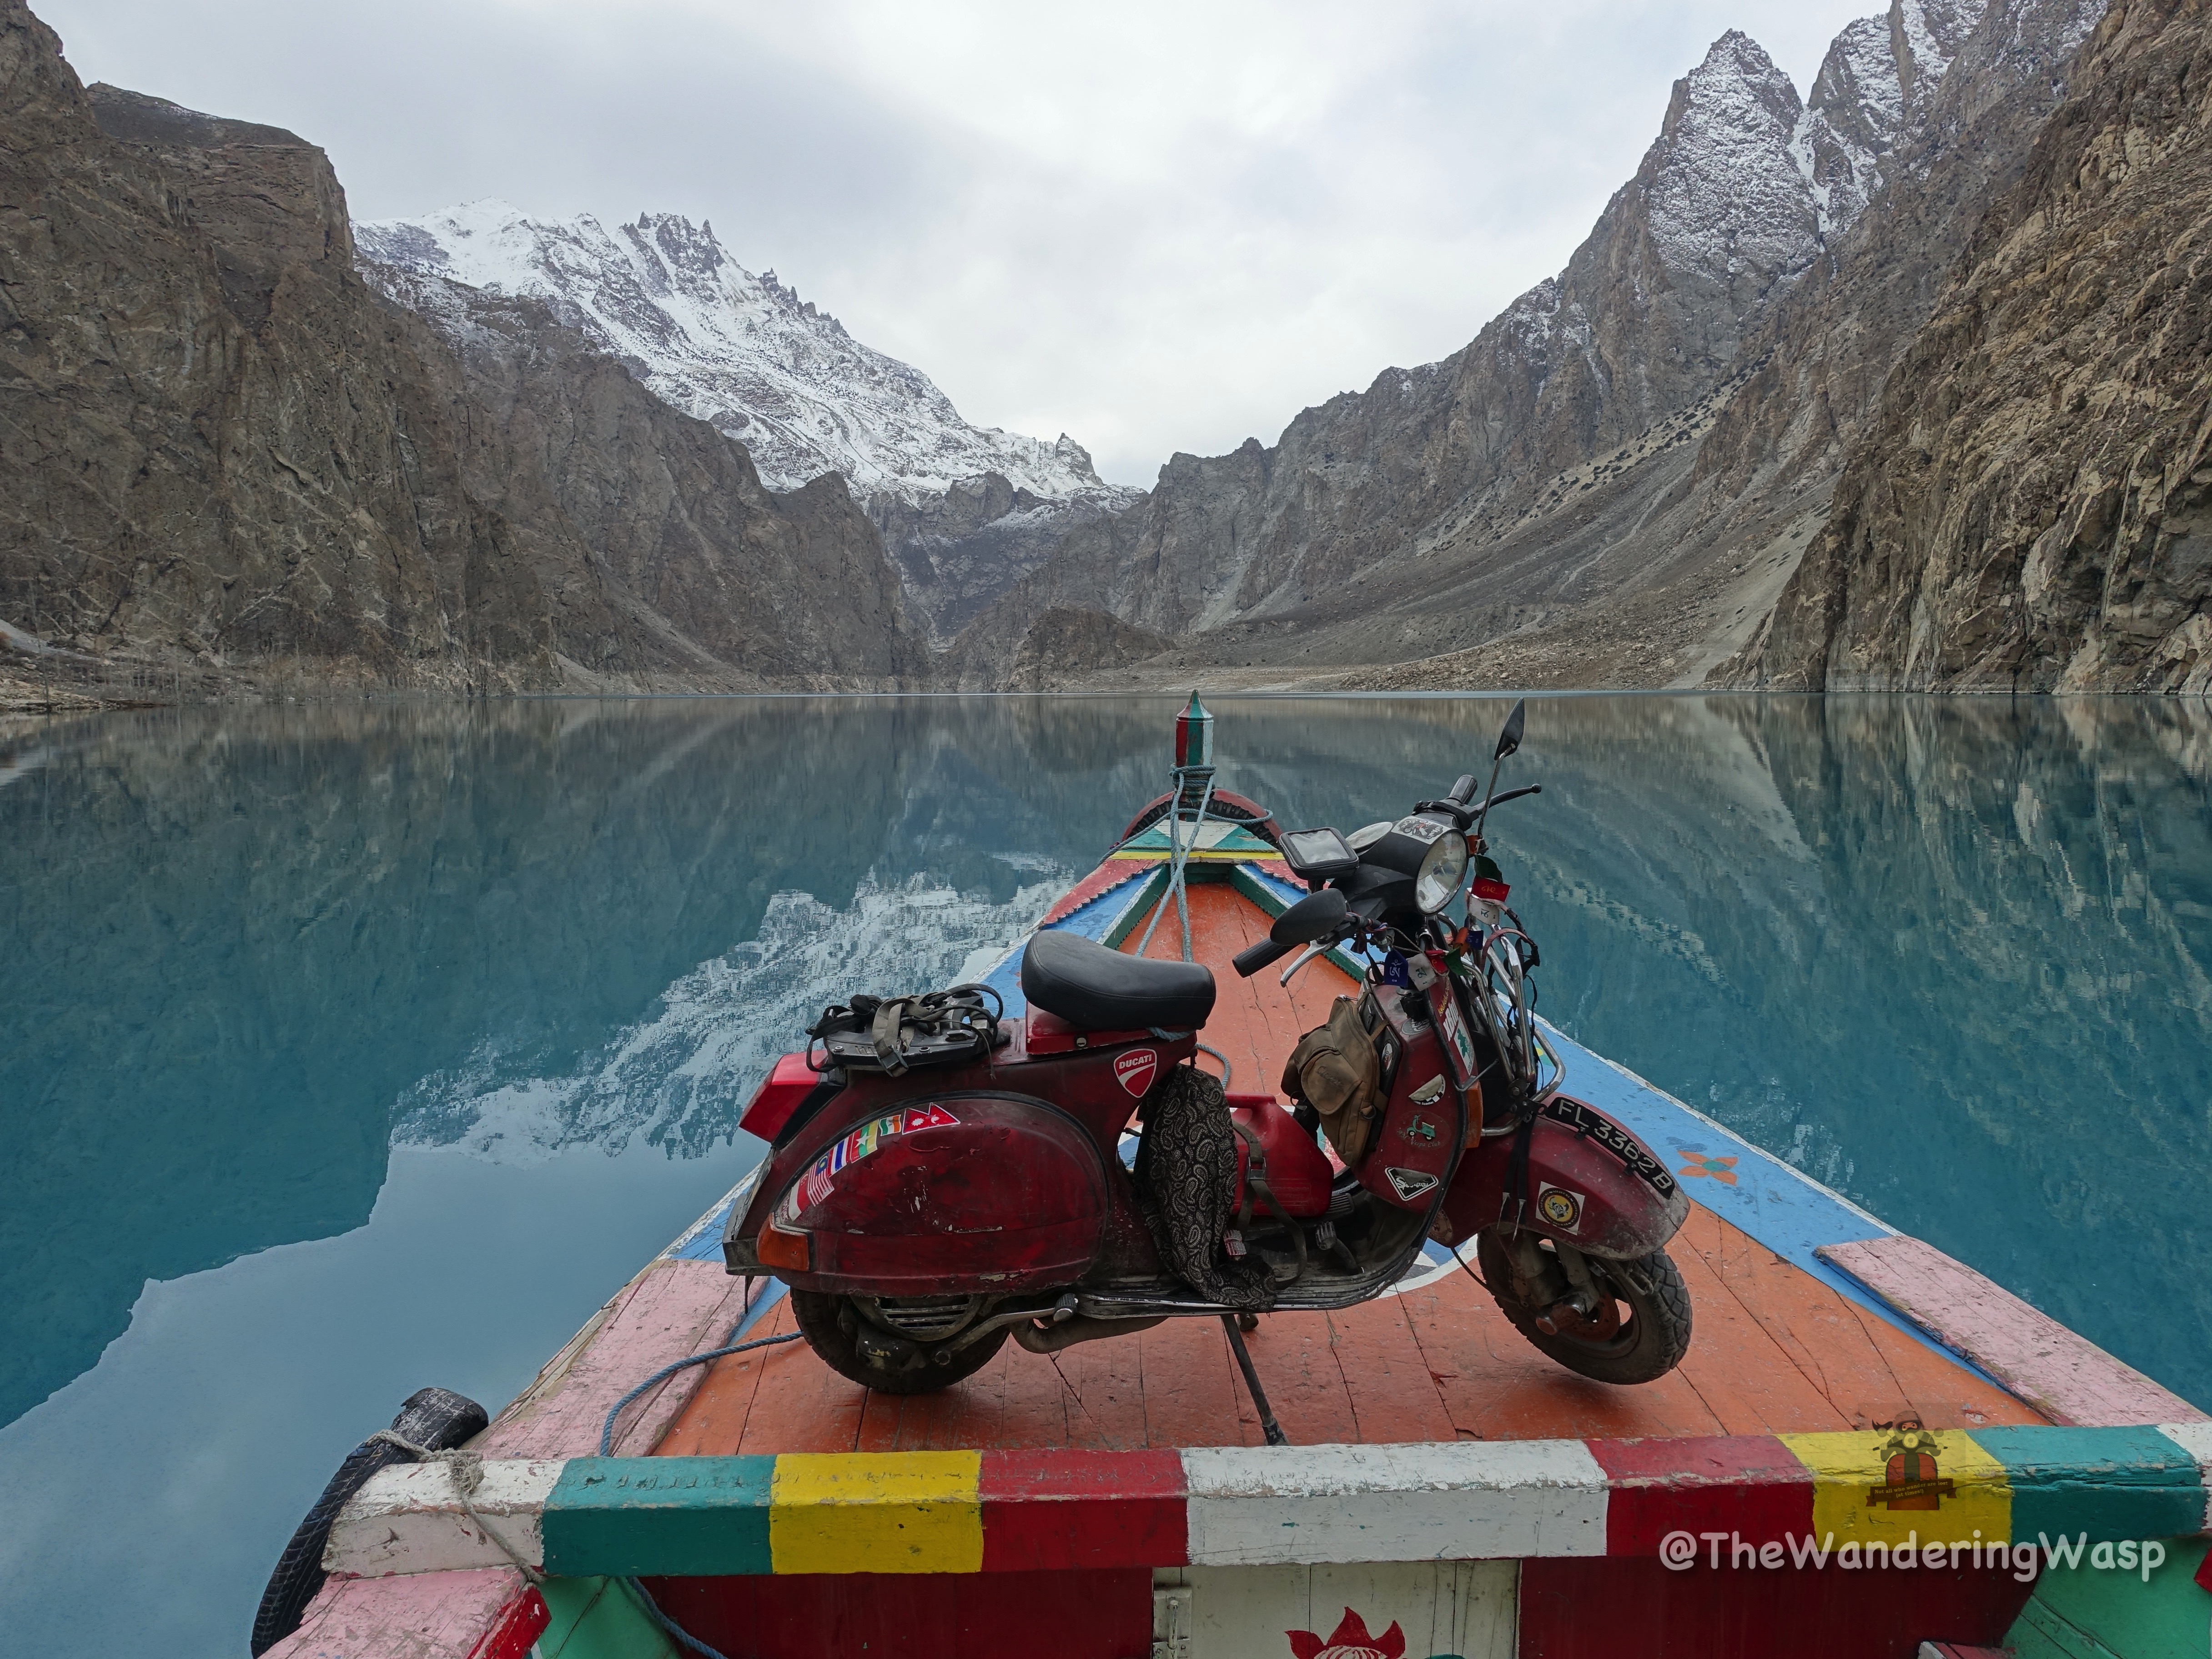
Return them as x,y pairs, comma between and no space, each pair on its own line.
1134,1070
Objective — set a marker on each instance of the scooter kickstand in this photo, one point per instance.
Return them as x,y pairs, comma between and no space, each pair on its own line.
1268,1426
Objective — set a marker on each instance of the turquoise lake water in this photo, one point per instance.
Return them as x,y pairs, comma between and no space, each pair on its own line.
352,1049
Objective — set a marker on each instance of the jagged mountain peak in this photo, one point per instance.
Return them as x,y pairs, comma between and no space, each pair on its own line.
743,352
1724,188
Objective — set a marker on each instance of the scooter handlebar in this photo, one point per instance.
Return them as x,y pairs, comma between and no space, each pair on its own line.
1250,960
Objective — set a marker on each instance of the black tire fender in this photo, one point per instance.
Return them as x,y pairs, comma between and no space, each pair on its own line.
436,1419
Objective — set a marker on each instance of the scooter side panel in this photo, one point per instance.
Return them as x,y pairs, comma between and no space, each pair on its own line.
1579,1192
992,1195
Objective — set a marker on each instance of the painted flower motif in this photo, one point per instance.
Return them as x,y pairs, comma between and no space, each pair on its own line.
1350,1640
1722,1170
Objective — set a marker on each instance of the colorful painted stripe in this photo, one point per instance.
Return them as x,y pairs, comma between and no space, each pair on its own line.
966,1511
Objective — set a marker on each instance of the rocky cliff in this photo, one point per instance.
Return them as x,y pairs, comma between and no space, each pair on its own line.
2033,507
1612,484
964,510
226,459
1646,318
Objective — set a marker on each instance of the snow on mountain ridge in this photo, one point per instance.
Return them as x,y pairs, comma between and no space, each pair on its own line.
1729,192
740,352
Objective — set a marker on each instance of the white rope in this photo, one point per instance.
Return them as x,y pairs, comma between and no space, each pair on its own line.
1179,852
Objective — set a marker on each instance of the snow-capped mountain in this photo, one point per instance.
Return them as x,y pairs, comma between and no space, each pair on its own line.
740,352
1748,173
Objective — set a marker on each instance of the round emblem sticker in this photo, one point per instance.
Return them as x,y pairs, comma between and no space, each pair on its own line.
1560,1207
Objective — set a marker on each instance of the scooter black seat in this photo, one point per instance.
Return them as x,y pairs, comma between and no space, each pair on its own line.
1099,990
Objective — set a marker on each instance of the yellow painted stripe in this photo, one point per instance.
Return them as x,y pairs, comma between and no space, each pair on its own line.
1853,1497
885,1512
1200,855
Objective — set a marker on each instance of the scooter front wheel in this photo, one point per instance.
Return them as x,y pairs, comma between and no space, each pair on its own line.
832,1327
1639,1333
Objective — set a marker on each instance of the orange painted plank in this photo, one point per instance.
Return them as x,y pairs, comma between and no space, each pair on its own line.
2070,1378
1496,1386
1944,1395
714,1422
1299,1367
1104,1385
1193,1396
1751,1383
801,1405
1394,1395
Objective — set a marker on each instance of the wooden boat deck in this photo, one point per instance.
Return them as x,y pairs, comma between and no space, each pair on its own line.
1777,1350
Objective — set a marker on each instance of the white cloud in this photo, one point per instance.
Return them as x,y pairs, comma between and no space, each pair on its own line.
1157,227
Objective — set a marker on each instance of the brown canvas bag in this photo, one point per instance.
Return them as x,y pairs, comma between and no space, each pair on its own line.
1334,1069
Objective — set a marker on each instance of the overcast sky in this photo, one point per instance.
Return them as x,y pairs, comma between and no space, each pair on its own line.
1157,227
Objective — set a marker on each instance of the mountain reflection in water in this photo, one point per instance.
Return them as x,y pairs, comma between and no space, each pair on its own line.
1950,955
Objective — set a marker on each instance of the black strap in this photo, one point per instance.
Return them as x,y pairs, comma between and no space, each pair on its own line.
1516,1174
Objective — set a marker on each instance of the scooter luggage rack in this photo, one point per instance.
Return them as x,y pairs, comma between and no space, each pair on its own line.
1194,792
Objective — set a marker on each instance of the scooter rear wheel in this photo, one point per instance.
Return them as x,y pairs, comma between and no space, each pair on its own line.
1641,1337
831,1326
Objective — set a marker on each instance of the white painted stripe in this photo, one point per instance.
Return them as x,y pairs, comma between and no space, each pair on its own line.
1251,1505
2196,1439
409,1519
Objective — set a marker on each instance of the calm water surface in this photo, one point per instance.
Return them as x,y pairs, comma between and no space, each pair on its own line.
347,1050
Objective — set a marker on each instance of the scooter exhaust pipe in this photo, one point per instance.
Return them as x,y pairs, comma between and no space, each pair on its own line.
1051,1339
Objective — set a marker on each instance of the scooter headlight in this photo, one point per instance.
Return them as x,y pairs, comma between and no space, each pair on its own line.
1441,873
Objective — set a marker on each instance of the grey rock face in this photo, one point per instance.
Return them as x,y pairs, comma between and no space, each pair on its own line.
958,551
1341,542
220,448
2032,509
1614,483
745,354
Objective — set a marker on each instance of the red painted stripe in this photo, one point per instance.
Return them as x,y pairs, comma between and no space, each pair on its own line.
1050,1511
1104,879
1106,1615
1609,1608
521,1623
1749,1486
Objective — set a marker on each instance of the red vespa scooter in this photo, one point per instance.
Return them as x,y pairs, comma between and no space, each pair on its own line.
922,1215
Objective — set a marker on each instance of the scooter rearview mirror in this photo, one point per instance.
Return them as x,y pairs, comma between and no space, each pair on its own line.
1316,916
1508,740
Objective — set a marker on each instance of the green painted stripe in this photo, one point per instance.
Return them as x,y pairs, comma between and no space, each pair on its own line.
675,1515
1139,907
2112,1483
2088,1612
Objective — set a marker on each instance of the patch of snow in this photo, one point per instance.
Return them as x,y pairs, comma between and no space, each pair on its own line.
1855,116
742,352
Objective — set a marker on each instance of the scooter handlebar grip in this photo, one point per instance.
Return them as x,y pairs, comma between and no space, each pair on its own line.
1250,960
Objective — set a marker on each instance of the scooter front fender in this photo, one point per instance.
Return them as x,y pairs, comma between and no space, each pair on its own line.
1591,1184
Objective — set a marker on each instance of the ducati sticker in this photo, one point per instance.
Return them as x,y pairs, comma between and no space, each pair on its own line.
1562,1208
1409,1184
1133,1071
